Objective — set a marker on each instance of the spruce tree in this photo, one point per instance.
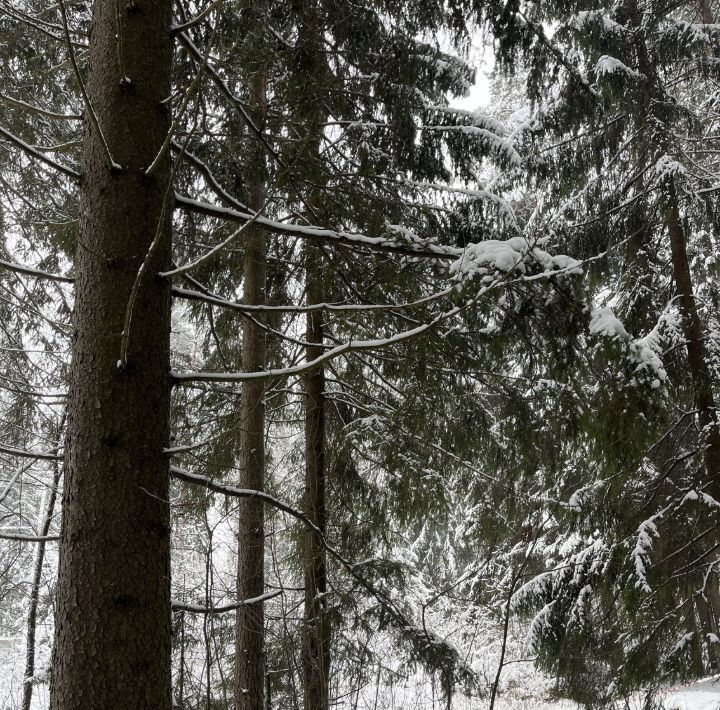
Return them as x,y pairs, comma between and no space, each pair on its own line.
628,584
113,592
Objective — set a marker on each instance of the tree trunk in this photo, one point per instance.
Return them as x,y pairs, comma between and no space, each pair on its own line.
692,327
695,657
250,620
697,362
708,610
316,642
37,579
313,71
703,398
112,635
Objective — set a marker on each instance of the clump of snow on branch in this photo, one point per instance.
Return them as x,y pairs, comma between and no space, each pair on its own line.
643,352
640,554
586,17
668,167
582,496
610,65
493,256
700,496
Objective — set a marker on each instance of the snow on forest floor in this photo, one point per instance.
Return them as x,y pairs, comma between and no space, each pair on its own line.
532,694
703,695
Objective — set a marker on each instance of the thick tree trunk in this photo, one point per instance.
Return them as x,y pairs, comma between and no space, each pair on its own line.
112,636
316,642
250,620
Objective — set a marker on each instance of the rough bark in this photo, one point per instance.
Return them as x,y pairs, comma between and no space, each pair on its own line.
250,619
313,71
112,635
316,641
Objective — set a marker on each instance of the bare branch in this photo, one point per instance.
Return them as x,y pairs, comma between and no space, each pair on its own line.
28,538
86,98
41,111
22,453
331,236
197,609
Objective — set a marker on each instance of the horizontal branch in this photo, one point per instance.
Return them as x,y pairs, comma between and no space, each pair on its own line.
192,295
41,111
38,155
197,609
22,453
216,487
348,347
30,271
318,233
177,271
28,538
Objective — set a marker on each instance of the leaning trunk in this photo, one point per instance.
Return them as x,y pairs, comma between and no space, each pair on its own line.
112,635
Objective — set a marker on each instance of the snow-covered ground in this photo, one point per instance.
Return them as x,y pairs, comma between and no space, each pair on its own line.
525,689
703,695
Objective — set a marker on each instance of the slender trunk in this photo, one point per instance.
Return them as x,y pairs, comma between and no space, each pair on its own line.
313,76
316,642
37,579
112,635
250,620
707,627
703,397
181,676
708,610
691,324
697,361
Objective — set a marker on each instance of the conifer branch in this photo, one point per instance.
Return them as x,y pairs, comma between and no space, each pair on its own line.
86,99
38,155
